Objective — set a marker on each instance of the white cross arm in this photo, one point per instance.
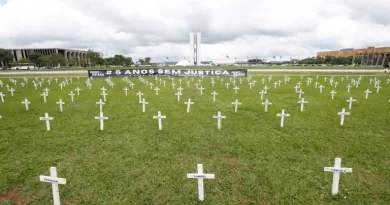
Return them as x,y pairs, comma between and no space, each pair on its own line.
200,176
52,179
333,169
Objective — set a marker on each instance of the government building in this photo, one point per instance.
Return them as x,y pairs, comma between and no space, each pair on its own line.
370,56
69,54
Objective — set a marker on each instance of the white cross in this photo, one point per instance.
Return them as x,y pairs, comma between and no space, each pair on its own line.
100,103
159,117
227,85
332,94
201,90
371,81
299,84
164,82
357,84
200,176
47,91
214,94
335,84
261,94
143,104
282,115
132,85
300,94
156,89
316,84
241,81
235,89
44,96
60,103
26,102
173,85
188,103
126,90
151,85
139,96
180,89
377,88
78,90
266,89
325,78
101,118
72,94
178,95
388,80
47,119
351,100
308,81
2,96
302,102
269,78
296,88
250,85
54,180
235,105
103,89
367,92
188,84
35,86
342,113
12,91
321,87
337,169
266,103
349,87
219,117
275,84
180,81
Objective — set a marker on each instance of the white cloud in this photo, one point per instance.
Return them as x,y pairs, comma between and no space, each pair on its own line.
240,28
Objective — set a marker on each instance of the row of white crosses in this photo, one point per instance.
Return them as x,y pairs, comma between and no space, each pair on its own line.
199,175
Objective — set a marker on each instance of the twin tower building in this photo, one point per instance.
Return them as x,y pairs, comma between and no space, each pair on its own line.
195,48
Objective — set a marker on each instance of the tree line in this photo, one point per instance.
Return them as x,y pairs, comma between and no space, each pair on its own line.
93,59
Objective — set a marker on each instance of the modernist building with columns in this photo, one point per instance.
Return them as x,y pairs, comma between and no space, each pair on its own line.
67,53
369,56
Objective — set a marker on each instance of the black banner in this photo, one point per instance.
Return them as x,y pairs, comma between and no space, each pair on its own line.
165,72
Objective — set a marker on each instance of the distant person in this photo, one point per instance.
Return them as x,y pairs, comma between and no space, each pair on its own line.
386,67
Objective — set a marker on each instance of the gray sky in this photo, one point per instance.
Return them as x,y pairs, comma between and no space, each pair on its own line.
155,28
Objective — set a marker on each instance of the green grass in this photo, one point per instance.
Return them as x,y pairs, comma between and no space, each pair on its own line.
255,161
221,67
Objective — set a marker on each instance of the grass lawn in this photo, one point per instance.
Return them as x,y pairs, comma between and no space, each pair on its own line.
219,67
255,161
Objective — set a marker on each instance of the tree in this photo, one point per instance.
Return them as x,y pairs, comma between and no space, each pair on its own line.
44,60
23,61
57,59
33,57
6,56
119,60
84,62
95,58
141,61
73,61
255,61
147,60
129,61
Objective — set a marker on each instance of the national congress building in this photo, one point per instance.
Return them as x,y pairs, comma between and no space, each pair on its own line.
370,56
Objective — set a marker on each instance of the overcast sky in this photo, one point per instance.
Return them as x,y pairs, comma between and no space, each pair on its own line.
160,28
